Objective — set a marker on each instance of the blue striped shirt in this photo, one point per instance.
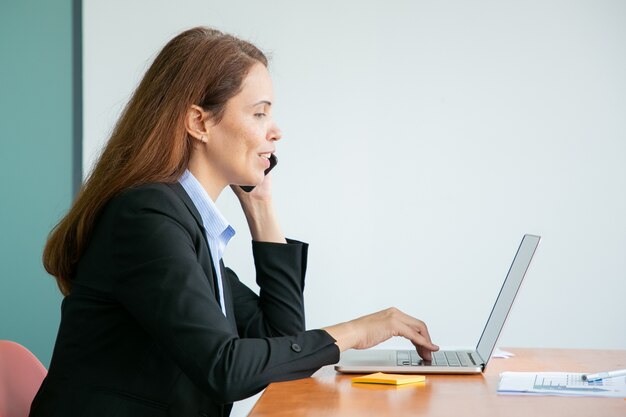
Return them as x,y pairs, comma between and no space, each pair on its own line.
216,228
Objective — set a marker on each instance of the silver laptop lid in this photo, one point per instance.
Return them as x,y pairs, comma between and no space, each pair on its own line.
509,289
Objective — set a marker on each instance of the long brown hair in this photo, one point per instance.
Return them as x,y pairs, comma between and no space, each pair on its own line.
149,142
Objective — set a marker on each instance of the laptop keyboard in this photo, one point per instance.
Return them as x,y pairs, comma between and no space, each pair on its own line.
458,359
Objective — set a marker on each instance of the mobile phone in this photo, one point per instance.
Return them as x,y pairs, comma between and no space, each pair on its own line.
273,162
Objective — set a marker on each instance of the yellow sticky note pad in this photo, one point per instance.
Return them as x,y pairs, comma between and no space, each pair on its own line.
390,379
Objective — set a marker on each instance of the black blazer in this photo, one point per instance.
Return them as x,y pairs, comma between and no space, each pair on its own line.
142,332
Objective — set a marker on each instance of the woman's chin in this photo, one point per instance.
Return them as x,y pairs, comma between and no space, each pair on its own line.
253,182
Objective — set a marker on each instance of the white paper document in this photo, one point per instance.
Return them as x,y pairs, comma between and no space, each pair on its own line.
499,353
560,383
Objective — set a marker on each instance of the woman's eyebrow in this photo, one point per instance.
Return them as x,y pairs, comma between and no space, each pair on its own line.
269,103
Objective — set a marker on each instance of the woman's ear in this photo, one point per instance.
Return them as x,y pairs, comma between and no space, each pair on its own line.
195,123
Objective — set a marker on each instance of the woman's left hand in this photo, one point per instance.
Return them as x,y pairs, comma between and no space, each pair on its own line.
259,210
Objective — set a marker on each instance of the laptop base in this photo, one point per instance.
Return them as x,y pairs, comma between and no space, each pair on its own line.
383,360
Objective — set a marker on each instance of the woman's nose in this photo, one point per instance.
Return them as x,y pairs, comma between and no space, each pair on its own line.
275,133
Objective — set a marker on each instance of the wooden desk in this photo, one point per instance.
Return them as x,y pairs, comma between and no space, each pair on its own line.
329,393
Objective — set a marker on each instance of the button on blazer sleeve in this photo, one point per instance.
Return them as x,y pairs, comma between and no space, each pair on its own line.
159,279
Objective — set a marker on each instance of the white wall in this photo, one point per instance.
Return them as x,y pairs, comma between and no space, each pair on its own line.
421,140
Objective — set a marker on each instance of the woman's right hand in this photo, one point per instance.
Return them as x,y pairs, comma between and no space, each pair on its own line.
370,330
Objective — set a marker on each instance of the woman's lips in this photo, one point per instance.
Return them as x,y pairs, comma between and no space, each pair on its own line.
266,159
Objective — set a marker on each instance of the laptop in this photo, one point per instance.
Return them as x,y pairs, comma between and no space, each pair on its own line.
450,362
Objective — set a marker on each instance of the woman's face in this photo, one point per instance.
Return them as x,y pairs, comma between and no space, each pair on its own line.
239,146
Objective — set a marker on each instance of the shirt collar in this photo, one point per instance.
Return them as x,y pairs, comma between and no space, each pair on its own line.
215,225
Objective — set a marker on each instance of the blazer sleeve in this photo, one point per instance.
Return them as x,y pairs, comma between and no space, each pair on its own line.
278,310
159,280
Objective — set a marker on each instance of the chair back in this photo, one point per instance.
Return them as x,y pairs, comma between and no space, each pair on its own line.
21,375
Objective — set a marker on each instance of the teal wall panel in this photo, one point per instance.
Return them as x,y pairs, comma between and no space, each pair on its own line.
36,163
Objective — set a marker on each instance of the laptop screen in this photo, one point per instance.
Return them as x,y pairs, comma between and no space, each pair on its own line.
507,294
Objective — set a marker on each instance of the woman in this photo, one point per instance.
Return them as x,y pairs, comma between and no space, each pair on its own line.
153,324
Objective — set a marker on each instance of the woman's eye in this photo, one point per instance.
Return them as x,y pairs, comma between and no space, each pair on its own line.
260,115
